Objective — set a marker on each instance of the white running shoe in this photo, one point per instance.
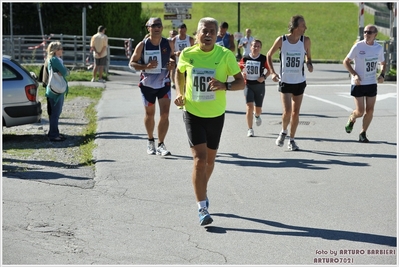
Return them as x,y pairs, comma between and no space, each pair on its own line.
162,151
250,133
292,146
258,120
151,148
280,139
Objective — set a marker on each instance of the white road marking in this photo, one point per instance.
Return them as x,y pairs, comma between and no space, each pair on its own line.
330,102
347,94
385,96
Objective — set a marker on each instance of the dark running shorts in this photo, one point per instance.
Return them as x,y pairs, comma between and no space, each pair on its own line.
150,95
295,89
101,61
203,130
255,93
364,90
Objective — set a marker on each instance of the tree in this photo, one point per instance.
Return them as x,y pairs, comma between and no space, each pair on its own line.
121,19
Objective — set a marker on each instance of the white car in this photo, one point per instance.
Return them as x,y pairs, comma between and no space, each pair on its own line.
20,88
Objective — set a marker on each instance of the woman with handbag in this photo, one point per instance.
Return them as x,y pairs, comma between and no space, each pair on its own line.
55,100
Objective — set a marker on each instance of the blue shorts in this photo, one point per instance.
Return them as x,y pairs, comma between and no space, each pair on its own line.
364,90
295,89
150,95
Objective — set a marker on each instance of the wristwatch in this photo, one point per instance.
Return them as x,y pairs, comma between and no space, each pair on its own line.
228,86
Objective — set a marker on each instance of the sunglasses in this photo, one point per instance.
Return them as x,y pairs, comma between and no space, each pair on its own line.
368,32
158,25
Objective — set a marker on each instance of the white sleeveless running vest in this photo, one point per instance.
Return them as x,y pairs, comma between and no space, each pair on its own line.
292,58
181,44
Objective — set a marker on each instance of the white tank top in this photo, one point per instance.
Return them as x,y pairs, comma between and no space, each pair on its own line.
181,44
292,58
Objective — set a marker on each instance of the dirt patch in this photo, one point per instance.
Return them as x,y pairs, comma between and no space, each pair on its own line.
27,147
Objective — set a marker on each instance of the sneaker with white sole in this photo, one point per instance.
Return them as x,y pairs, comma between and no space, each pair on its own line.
151,148
280,139
162,151
258,120
349,124
204,216
292,146
250,133
93,80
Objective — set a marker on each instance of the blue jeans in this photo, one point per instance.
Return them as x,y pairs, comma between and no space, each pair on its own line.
56,109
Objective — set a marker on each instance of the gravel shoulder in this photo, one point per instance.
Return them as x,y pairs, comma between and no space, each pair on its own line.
27,147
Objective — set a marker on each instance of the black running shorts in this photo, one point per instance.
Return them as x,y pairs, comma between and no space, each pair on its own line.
295,89
203,130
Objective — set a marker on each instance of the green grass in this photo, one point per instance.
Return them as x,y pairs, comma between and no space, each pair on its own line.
332,27
83,75
392,72
88,134
75,75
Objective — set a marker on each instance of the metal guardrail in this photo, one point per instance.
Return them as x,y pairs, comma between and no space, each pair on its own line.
32,49
390,49
389,53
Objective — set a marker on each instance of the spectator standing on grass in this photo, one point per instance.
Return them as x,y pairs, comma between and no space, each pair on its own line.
154,57
366,54
294,50
99,45
203,97
253,67
55,100
224,38
245,43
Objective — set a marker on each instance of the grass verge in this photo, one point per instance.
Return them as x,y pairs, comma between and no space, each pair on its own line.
88,134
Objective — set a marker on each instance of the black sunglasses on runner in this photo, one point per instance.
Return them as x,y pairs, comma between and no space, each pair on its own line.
159,25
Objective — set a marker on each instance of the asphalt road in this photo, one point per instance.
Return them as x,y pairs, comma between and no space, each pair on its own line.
334,200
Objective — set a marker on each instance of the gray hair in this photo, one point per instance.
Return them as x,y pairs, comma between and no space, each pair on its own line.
202,22
52,48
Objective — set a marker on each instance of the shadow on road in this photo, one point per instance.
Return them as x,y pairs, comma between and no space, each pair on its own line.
304,231
284,162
